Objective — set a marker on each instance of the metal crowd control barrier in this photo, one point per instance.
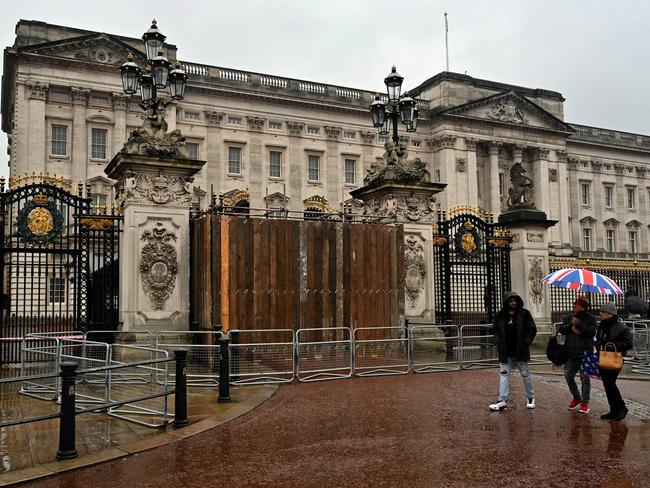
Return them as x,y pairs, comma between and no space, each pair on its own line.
323,353
261,356
384,351
477,347
139,382
434,347
142,338
87,355
640,330
202,356
40,355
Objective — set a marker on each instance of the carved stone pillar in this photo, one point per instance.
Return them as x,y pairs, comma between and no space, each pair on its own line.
155,195
574,195
296,162
540,179
37,134
399,189
331,175
563,196
119,110
215,170
445,147
495,197
79,133
472,172
256,168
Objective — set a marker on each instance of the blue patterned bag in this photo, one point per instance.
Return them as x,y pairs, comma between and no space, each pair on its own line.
589,365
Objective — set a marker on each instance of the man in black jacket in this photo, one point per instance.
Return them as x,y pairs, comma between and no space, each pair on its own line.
579,330
514,330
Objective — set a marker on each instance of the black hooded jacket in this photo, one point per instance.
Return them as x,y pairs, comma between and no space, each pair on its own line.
525,327
577,344
616,332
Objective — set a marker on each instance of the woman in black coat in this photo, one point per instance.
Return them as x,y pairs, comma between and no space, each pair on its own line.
612,330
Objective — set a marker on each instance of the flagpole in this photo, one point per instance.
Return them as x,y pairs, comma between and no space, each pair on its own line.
446,42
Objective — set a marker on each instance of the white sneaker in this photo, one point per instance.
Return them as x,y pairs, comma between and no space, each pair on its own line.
498,406
531,403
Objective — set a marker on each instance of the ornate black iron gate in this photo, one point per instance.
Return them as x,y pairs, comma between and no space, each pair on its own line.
58,262
471,266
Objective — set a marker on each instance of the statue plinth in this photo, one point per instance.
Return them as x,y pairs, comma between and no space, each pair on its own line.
529,260
154,189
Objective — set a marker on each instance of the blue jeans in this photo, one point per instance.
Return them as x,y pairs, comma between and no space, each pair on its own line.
504,378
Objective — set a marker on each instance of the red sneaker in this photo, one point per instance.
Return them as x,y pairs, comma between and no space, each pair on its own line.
574,404
584,408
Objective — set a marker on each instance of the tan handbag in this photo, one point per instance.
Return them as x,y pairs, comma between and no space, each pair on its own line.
610,359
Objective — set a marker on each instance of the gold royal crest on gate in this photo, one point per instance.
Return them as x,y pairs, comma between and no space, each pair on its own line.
39,220
467,241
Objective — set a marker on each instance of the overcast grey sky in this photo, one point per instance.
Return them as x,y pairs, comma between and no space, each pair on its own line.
596,53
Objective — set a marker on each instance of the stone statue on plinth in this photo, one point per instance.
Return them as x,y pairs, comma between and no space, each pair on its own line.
520,193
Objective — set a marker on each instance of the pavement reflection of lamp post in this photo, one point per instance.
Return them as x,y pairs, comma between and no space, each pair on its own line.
156,75
385,116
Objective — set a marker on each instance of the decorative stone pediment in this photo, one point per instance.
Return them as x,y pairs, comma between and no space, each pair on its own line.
509,108
633,224
353,206
612,222
276,199
93,48
588,220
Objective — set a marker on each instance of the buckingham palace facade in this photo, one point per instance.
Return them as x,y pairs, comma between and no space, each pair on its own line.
275,142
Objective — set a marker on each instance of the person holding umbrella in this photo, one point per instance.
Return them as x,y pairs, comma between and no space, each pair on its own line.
579,330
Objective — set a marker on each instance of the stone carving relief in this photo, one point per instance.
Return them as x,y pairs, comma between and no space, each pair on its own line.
333,132
596,166
534,237
471,144
619,168
506,111
460,165
255,123
37,90
395,166
152,139
135,187
641,171
445,142
415,268
494,147
406,208
295,128
158,265
79,95
520,193
552,175
367,137
535,275
542,153
119,100
213,118
561,155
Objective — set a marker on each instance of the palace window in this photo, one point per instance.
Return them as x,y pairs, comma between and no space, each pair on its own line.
234,160
314,167
350,171
59,140
98,140
586,239
234,120
275,164
585,193
313,130
502,183
349,135
275,125
56,292
98,204
631,198
416,143
193,149
193,115
609,196
611,240
632,241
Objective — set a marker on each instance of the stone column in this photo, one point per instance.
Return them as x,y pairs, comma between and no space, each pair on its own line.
472,180
495,198
215,171
119,130
37,133
597,206
574,202
565,232
540,178
256,170
332,176
296,165
446,151
529,260
155,195
79,133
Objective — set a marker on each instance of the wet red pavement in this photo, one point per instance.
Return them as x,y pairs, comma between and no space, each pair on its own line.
405,431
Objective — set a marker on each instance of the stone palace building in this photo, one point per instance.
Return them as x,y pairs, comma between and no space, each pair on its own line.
274,142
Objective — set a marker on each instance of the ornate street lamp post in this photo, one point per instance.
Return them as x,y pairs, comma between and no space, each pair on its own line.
156,75
385,116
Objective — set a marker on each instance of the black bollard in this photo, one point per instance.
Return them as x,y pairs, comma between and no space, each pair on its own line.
224,370
180,397
67,448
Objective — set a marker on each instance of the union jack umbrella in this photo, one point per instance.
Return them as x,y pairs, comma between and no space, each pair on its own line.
584,280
